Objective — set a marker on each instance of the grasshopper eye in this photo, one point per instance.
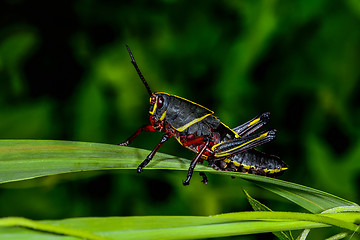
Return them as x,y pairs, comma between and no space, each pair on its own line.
152,100
160,101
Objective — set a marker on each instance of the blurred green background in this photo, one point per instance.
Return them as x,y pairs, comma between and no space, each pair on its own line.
65,74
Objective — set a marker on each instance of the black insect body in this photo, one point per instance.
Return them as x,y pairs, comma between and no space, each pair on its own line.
196,128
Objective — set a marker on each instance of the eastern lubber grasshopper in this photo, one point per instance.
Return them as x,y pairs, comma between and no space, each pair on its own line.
196,128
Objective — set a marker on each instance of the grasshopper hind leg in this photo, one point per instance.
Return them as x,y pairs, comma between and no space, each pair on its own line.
193,164
164,138
238,145
252,125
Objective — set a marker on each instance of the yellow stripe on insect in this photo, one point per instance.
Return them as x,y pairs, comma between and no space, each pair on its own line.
177,137
212,112
153,110
187,100
254,121
276,170
182,128
235,133
163,116
227,160
246,167
227,152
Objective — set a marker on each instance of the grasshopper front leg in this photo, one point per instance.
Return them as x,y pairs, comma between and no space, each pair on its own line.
147,128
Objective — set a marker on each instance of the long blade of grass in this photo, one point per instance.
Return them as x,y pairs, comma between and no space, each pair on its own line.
169,227
25,159
313,200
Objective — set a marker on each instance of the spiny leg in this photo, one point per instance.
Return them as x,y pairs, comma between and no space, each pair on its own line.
252,125
147,128
164,138
193,164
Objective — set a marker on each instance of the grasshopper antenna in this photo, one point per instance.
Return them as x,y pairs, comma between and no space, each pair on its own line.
138,71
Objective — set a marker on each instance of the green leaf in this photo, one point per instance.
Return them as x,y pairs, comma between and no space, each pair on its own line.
255,204
258,206
313,200
167,227
349,213
25,159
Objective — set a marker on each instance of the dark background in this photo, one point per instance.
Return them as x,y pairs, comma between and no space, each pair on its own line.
65,74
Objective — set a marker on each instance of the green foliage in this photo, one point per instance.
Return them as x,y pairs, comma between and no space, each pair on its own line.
258,206
173,227
24,159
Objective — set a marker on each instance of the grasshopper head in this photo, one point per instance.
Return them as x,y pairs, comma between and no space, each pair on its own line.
158,105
